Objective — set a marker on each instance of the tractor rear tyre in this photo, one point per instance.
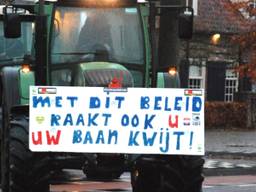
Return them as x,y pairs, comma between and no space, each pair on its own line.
192,173
25,171
172,174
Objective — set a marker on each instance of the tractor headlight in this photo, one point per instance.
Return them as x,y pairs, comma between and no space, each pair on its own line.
25,68
172,71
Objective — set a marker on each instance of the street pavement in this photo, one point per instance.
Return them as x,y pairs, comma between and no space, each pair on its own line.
228,151
231,143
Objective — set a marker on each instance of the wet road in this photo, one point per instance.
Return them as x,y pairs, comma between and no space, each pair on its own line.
75,181
238,183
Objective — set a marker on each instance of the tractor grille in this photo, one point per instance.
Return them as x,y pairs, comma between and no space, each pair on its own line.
102,77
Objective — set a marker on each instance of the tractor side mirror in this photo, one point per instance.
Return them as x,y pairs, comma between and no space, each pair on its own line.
12,24
185,23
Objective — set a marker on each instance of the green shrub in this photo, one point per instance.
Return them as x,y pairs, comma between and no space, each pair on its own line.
225,115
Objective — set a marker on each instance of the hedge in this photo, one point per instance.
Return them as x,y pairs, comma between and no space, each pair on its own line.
225,115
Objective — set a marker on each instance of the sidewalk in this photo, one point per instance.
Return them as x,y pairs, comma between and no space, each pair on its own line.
229,151
233,143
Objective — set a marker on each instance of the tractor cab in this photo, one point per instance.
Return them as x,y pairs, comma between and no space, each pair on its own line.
13,49
90,37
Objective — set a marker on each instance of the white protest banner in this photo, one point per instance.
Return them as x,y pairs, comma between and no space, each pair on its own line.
103,120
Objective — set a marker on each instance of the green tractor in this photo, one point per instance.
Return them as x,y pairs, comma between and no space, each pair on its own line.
82,43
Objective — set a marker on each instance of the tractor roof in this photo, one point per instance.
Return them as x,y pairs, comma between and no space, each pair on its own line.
93,2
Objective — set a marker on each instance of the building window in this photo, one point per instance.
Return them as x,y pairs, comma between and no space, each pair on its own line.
195,83
254,87
231,85
196,74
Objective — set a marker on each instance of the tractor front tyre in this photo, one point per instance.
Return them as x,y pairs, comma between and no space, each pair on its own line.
26,171
173,174
192,173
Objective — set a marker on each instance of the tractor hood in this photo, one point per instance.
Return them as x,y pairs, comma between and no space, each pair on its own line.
103,74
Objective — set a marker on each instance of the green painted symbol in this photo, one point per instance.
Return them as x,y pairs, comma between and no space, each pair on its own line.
199,148
40,119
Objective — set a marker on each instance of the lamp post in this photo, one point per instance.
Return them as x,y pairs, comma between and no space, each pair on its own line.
41,56
169,41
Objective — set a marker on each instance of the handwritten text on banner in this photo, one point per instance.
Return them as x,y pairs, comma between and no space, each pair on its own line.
102,120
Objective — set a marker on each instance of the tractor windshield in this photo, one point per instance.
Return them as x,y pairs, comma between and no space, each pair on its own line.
82,34
15,49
